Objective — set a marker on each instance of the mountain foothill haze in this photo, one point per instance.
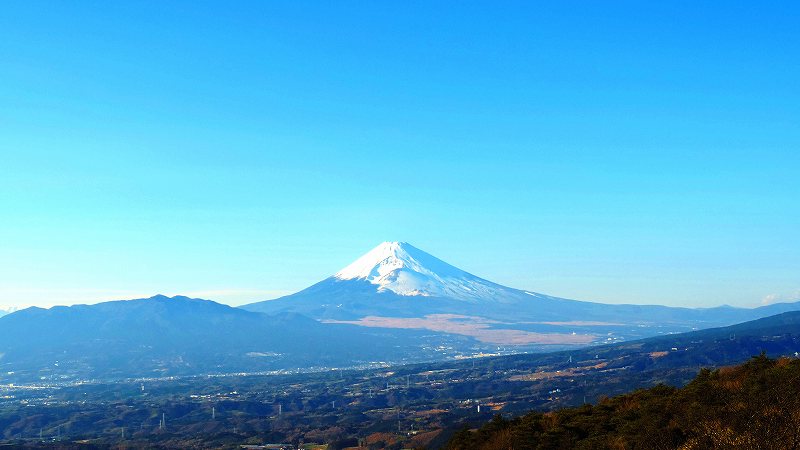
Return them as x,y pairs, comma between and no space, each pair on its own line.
395,304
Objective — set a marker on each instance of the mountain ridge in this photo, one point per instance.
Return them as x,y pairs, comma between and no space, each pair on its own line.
160,336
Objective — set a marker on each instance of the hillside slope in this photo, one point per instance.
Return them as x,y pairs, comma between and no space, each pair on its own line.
752,406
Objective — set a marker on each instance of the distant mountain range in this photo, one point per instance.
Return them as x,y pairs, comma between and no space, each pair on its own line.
162,336
396,304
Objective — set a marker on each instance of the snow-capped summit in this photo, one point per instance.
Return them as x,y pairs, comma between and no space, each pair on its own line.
406,270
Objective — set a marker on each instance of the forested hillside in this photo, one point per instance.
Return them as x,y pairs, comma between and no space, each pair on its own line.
752,406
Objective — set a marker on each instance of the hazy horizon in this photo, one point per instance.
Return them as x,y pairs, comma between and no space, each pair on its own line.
238,297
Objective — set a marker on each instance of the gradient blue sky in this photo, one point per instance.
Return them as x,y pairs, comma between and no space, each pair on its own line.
643,152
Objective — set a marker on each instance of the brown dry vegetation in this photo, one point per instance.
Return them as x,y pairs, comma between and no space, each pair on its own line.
475,327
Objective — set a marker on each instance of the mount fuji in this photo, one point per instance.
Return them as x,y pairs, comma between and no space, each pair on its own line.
398,278
398,286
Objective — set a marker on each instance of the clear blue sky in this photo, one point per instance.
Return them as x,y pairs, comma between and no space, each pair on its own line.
617,152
